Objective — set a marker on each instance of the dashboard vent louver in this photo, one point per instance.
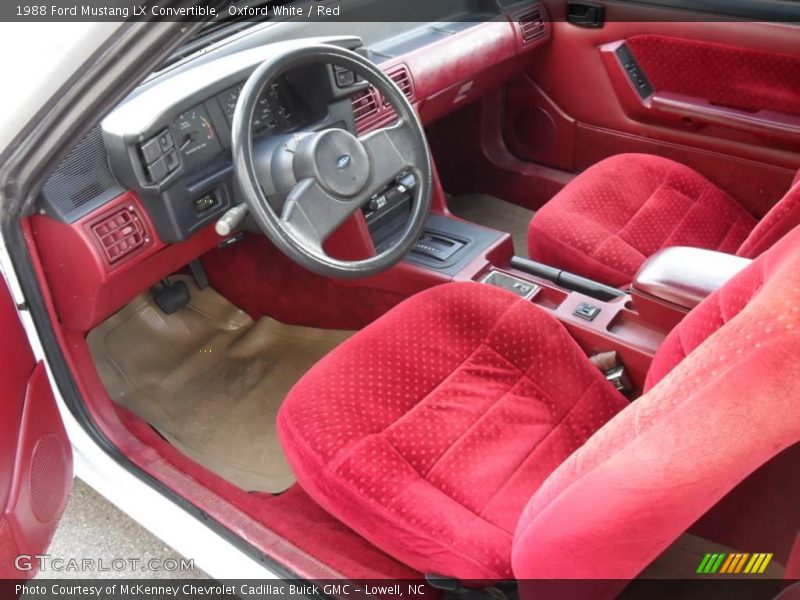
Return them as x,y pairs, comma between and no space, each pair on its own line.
120,234
532,24
365,106
401,76
370,109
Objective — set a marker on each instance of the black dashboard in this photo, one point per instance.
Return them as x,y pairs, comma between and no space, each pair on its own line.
193,140
171,143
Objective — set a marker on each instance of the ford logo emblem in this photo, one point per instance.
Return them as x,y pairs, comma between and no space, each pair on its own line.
343,161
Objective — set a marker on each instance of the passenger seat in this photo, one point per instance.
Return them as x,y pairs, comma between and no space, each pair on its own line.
608,220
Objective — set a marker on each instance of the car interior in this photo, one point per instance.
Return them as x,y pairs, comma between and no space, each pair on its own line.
511,293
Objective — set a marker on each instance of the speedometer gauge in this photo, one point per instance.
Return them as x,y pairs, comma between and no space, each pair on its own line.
195,136
262,116
228,100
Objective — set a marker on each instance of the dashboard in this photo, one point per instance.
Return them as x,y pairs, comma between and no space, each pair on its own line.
171,143
138,195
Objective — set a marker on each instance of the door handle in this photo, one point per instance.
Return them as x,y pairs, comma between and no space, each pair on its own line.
585,14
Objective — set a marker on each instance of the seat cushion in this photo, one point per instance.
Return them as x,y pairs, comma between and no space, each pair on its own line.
611,218
428,431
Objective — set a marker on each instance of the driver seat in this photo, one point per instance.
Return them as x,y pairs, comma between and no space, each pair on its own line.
466,434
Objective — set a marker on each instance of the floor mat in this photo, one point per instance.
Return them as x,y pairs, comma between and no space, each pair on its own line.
496,214
210,380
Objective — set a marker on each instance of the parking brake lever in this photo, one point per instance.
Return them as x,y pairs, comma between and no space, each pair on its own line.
565,279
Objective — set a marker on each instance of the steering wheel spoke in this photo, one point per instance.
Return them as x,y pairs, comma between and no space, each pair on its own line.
313,214
391,151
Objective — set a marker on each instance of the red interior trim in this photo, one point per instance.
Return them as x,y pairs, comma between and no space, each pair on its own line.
725,75
143,456
474,157
86,288
42,471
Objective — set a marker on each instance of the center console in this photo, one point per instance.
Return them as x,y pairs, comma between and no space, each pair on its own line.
633,323
446,245
599,322
601,319
449,245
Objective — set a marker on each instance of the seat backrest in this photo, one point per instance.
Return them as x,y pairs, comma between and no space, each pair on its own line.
723,398
780,220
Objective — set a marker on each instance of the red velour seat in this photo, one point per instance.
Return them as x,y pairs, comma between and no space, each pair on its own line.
428,431
466,421
608,220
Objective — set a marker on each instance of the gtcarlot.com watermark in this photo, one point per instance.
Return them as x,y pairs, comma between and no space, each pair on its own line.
45,563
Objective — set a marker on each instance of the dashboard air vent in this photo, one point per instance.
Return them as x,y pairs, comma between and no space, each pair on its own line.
531,24
120,234
401,76
365,106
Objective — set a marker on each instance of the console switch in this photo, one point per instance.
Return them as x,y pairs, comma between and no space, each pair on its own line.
165,141
158,170
515,285
587,311
171,158
160,157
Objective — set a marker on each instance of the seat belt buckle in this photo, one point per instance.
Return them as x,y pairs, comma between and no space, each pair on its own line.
618,377
613,370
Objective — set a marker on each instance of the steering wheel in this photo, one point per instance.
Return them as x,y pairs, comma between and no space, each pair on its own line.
301,187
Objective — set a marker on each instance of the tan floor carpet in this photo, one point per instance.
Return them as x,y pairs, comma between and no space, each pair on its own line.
210,380
496,214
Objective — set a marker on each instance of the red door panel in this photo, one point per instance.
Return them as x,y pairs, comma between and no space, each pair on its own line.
35,455
748,79
744,95
573,109
18,363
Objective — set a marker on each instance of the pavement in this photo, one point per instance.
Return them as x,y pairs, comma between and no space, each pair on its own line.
93,528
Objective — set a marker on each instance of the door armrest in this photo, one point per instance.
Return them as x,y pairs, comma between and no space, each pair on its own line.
763,122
